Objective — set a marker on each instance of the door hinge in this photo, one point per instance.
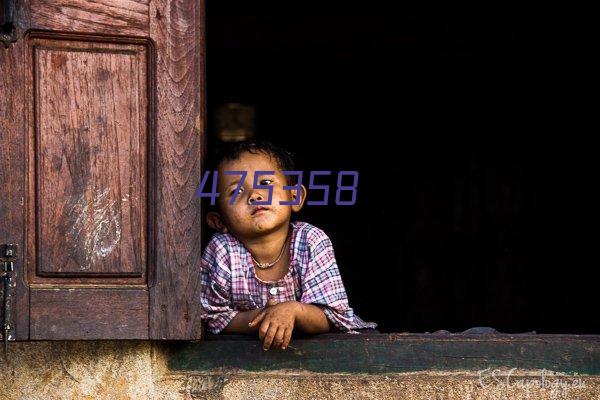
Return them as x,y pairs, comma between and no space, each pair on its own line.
8,256
8,31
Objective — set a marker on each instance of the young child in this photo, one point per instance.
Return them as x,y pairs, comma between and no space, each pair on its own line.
261,272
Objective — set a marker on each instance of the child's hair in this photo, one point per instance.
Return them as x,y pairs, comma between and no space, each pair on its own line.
233,150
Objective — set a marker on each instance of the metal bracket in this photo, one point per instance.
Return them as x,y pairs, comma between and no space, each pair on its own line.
8,38
8,32
8,255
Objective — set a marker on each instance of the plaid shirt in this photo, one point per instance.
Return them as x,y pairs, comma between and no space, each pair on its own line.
230,285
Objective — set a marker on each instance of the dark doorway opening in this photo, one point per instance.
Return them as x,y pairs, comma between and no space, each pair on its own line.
477,201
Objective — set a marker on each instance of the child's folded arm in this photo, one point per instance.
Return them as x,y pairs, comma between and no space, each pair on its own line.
345,321
216,307
323,285
311,319
215,280
239,323
218,322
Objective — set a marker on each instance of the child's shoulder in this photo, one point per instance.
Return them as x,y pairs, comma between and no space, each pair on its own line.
221,241
308,232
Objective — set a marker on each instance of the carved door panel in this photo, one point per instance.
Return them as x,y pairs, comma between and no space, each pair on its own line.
102,136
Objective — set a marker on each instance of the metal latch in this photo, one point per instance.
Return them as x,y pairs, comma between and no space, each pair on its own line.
8,31
8,255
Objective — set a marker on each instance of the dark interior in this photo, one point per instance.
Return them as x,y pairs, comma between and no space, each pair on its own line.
477,201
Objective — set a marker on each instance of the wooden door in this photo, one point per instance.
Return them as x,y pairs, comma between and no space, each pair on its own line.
102,133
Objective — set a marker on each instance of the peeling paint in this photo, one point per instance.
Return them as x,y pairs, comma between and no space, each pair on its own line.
96,230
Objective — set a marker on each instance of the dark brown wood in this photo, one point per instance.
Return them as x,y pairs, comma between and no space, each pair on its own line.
102,187
393,352
12,189
89,134
177,29
89,314
122,17
86,145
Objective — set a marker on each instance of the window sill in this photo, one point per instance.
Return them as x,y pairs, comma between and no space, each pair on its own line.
393,352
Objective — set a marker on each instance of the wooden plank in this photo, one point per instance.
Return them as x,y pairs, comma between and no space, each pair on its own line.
12,166
169,211
127,17
56,311
386,353
89,132
177,29
87,314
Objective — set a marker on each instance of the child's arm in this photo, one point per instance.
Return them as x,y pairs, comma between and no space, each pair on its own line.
239,323
322,284
275,324
215,297
311,319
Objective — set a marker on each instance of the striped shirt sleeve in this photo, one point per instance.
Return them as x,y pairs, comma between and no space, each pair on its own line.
215,279
322,284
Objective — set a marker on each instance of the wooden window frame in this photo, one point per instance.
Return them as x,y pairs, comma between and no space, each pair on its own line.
380,353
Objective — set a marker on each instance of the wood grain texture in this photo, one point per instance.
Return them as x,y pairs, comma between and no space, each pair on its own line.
12,174
87,149
177,29
84,84
123,17
88,126
87,152
90,130
394,352
87,314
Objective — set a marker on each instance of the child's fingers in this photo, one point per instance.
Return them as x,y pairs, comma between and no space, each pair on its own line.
263,330
271,302
286,338
278,340
259,317
269,337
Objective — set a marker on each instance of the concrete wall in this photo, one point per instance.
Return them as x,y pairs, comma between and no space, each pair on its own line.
138,370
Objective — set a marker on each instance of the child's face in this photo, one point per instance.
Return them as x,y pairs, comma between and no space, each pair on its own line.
242,218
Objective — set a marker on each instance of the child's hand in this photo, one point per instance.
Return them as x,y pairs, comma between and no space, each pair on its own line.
277,323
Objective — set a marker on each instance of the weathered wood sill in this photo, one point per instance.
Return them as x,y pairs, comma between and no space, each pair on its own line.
393,352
